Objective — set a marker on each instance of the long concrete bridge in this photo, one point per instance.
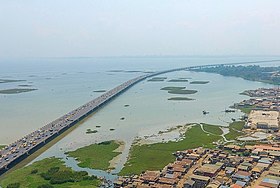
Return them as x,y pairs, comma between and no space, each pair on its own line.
22,148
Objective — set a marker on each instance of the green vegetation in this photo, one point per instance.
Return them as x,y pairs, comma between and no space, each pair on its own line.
132,71
15,91
180,99
182,91
178,90
2,146
96,156
148,72
178,80
8,81
246,109
24,85
157,79
99,91
89,131
235,130
251,72
214,129
125,71
199,82
50,172
156,156
172,88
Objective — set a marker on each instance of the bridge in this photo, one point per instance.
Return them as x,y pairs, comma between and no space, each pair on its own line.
22,148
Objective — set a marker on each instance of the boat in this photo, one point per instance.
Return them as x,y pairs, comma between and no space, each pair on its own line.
205,112
229,110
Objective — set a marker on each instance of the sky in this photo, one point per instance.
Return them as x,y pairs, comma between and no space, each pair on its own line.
78,28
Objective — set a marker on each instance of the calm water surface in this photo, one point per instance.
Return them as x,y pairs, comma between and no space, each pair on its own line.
64,84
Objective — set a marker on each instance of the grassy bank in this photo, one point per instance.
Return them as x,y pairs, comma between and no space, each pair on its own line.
52,172
156,156
96,156
246,110
214,129
42,150
235,129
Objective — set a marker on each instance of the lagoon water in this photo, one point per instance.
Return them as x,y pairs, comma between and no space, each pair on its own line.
66,83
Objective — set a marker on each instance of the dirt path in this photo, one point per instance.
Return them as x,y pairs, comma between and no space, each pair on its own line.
116,159
222,135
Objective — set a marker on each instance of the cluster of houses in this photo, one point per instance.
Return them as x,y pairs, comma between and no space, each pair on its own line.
265,105
230,167
261,99
263,92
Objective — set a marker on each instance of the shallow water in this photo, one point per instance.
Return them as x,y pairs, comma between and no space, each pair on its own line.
64,84
149,111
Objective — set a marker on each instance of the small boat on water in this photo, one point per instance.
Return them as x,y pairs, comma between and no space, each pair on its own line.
205,112
229,110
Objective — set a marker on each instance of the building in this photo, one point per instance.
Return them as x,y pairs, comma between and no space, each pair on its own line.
200,181
210,170
242,176
260,119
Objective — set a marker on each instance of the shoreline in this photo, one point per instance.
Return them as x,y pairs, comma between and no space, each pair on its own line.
40,151
115,160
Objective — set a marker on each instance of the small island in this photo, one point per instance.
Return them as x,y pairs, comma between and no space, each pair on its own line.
172,88
99,91
182,91
15,91
179,80
8,81
199,82
178,90
180,99
157,79
25,85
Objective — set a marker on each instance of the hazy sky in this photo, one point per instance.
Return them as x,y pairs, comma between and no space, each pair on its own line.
59,28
